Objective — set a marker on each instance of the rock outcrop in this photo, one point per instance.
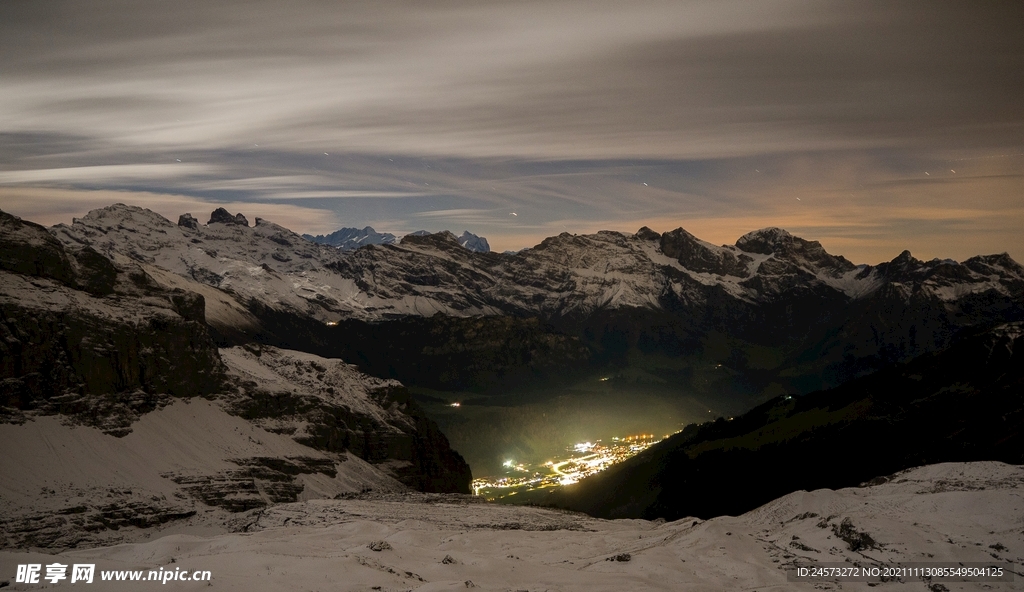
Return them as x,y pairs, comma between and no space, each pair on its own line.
696,255
328,405
221,216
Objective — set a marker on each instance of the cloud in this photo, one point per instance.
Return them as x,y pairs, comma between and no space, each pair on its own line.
328,194
107,173
50,206
558,79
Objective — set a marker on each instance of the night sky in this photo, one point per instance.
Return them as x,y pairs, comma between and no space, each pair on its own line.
870,126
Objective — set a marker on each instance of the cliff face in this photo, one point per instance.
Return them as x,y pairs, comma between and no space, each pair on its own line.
91,341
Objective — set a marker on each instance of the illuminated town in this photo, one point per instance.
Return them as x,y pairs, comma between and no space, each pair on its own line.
583,459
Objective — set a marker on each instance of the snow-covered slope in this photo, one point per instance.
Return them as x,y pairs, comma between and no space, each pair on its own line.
942,514
266,263
118,411
188,463
293,426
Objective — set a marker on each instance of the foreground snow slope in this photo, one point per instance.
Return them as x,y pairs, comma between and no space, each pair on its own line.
943,513
186,464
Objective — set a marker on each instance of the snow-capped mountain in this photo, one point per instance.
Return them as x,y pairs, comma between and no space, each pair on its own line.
477,244
563,275
265,264
347,239
99,343
827,318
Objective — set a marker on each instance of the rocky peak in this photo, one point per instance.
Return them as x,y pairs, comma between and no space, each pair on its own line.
114,219
1000,264
27,248
220,215
905,258
697,255
647,234
901,265
477,244
782,245
765,241
188,221
437,239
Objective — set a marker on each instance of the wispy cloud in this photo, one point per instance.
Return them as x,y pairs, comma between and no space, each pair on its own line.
587,113
50,206
118,173
329,194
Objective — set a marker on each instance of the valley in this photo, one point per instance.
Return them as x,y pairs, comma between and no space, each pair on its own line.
574,463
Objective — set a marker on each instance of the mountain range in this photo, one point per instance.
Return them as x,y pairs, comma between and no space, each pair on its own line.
124,322
778,313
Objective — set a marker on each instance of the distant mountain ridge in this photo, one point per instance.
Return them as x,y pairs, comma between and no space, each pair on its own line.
348,239
477,244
